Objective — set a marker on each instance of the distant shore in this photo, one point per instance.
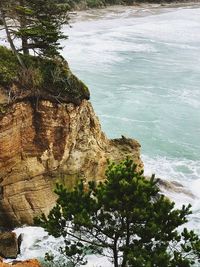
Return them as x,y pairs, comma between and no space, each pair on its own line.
138,9
100,4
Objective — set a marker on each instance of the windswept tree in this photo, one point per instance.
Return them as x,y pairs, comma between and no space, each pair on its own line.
5,20
36,23
125,218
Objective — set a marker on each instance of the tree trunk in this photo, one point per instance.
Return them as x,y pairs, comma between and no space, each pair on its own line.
24,39
124,261
12,46
115,254
25,46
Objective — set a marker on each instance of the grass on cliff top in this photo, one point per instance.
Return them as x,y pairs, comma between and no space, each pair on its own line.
42,77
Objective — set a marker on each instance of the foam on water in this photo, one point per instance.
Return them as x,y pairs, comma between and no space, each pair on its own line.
150,62
187,173
36,242
147,86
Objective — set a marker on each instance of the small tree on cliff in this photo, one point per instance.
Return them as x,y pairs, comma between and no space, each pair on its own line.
124,218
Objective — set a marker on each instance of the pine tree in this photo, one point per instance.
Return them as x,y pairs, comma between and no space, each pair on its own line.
37,23
125,218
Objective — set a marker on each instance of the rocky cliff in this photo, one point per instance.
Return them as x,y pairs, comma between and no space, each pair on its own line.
44,140
51,142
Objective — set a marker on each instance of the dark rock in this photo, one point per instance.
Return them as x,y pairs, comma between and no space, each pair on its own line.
8,245
19,241
175,187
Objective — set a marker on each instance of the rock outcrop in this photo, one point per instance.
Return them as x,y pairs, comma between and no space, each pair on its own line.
175,187
42,142
27,263
48,133
8,245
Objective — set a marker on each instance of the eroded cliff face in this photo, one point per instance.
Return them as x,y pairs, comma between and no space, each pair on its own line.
42,142
48,133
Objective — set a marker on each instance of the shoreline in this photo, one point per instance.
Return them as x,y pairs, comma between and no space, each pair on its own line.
82,7
138,9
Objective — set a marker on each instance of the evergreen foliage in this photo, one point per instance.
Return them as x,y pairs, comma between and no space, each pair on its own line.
8,66
37,23
125,218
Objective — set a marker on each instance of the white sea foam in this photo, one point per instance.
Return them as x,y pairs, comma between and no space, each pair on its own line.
36,242
184,171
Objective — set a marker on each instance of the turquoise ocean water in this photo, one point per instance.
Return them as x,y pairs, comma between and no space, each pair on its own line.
142,66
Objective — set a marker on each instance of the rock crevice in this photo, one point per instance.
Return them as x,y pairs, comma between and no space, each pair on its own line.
48,143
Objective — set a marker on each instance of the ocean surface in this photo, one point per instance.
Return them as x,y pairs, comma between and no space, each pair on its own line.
142,65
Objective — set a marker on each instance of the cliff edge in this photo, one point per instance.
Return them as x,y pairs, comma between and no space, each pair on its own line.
48,137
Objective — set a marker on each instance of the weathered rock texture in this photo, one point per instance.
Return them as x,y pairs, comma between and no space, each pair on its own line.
42,142
27,263
8,245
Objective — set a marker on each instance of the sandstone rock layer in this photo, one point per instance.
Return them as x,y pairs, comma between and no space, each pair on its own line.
42,142
27,263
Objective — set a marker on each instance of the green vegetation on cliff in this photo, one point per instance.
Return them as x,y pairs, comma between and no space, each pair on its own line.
8,66
42,77
125,218
37,24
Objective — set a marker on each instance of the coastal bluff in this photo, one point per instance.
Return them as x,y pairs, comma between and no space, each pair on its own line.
46,139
